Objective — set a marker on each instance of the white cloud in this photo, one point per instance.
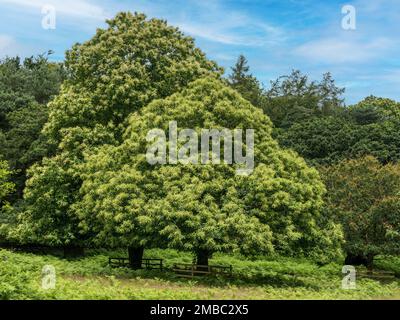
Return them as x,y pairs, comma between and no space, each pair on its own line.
79,8
230,28
215,21
209,33
5,41
233,30
7,46
225,56
338,50
391,76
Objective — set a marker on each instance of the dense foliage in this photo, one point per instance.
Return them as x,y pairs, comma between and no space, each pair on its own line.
246,84
293,99
73,170
117,72
372,127
25,89
5,186
204,208
364,196
311,118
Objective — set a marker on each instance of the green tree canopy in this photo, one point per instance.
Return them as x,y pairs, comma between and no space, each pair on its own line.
364,196
117,72
371,127
25,89
320,140
203,208
373,109
121,69
6,187
245,83
293,99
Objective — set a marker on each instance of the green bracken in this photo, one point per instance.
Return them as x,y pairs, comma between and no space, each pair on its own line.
262,278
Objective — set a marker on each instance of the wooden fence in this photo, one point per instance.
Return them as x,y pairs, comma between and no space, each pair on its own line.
188,270
377,275
149,264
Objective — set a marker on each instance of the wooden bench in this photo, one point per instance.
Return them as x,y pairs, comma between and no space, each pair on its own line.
148,264
188,270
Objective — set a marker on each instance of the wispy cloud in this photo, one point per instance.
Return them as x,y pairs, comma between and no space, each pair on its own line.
9,46
217,22
275,36
77,8
388,76
5,42
239,34
339,50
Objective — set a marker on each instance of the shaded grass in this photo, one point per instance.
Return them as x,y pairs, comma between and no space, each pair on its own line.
263,278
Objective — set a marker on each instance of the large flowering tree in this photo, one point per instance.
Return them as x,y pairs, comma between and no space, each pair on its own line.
121,69
203,208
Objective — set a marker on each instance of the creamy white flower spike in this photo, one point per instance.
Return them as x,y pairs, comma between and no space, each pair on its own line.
211,142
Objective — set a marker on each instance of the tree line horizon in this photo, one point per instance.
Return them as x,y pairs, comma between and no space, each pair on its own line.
73,171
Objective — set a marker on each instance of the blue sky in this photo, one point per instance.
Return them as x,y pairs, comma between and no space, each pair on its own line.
275,36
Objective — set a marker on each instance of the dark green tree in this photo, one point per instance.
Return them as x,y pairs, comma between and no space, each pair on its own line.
371,127
293,99
245,83
25,89
364,196
373,110
321,141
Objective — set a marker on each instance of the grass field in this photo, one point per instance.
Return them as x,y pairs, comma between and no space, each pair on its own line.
265,278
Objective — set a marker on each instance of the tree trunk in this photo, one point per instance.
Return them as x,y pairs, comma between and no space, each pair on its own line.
370,262
202,257
73,252
135,255
360,259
